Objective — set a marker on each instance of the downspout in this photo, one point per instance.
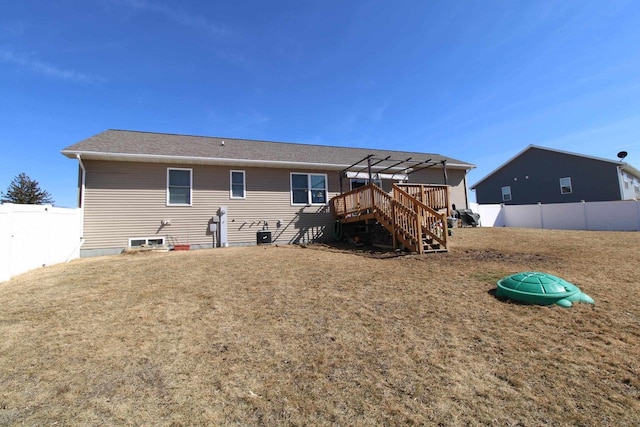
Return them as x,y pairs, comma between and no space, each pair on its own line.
466,190
444,172
83,179
82,182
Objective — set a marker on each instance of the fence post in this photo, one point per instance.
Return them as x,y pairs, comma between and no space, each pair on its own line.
5,248
541,216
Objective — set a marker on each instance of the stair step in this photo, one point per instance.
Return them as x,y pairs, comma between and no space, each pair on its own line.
431,251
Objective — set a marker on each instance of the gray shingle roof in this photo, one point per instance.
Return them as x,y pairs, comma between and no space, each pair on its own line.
135,145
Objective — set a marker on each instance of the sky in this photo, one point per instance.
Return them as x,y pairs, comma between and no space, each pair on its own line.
474,80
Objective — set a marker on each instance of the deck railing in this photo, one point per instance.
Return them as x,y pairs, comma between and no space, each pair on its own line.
353,203
435,196
433,223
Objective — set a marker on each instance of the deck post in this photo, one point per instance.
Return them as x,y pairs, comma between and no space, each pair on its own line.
393,223
373,198
418,211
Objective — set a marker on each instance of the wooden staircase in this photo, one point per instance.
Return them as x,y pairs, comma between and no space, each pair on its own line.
413,224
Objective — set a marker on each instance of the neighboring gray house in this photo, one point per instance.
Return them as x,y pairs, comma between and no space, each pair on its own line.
539,174
163,189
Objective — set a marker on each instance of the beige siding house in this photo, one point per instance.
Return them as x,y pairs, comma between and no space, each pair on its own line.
149,188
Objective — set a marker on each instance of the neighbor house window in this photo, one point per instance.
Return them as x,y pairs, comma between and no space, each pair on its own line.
308,189
506,193
565,185
179,187
237,185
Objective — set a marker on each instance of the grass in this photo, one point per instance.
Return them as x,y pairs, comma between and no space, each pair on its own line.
324,336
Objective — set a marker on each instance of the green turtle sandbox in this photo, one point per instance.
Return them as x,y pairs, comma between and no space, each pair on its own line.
540,288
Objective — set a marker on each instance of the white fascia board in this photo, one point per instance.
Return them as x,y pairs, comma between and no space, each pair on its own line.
460,166
154,158
630,170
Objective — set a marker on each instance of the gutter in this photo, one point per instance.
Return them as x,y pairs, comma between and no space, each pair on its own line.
154,158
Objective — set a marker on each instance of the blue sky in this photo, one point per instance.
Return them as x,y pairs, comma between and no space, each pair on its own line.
477,80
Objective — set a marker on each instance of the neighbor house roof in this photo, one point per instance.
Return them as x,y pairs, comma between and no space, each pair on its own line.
624,166
123,145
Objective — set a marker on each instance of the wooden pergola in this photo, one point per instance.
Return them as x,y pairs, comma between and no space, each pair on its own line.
374,166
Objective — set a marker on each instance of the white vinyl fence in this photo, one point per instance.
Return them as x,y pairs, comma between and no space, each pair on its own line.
33,236
623,215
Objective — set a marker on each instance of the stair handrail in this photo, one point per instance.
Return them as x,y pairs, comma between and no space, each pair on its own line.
433,222
436,196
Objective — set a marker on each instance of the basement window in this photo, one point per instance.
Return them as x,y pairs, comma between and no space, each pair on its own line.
146,241
565,185
506,193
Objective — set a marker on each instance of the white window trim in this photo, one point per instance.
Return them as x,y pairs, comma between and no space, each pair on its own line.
570,185
326,189
244,184
190,187
146,240
504,199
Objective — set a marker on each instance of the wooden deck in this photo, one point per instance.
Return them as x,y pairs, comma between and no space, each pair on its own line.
404,213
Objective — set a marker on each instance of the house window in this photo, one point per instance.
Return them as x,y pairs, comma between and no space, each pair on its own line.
506,193
358,182
179,187
565,185
146,241
308,189
237,185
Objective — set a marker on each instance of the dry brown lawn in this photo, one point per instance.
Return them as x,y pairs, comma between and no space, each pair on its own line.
325,336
